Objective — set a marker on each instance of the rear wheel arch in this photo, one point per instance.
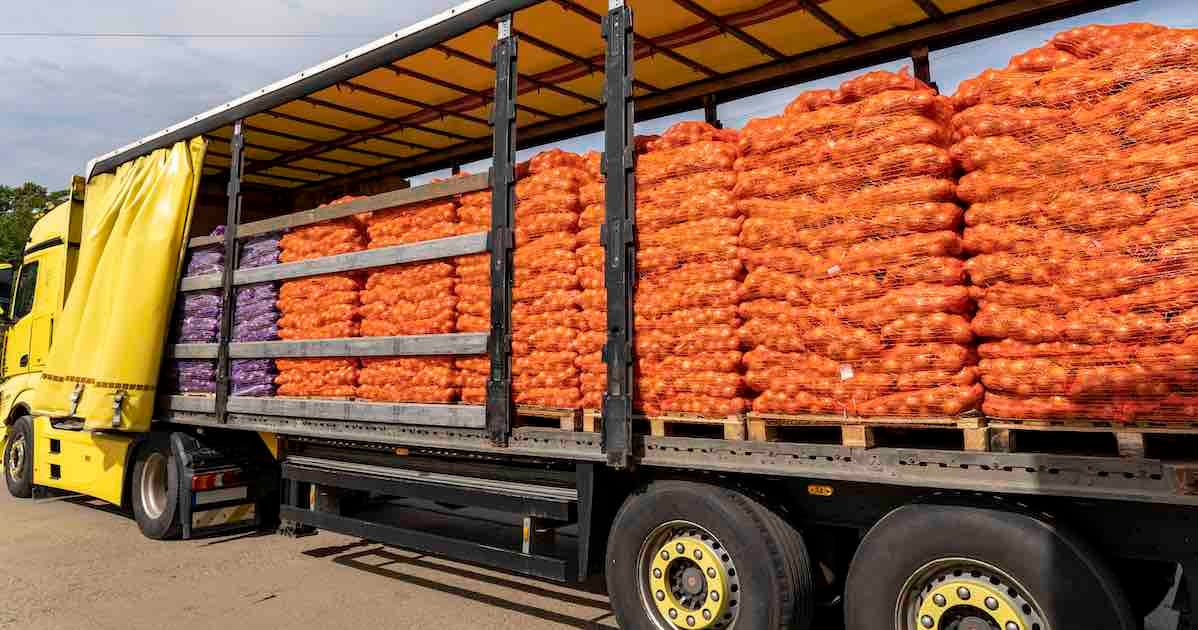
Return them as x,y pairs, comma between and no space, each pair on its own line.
919,544
131,458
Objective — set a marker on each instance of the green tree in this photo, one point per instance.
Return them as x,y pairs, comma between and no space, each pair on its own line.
21,207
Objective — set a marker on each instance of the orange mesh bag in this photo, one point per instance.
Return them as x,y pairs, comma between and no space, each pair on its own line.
854,300
1080,177
473,291
412,299
689,274
592,324
546,291
322,307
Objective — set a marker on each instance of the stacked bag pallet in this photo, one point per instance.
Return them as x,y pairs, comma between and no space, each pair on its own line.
322,307
255,318
854,302
411,299
197,320
473,290
546,322
1082,180
593,301
689,274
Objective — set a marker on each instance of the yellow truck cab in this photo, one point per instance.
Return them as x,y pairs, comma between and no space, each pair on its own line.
37,291
70,460
43,453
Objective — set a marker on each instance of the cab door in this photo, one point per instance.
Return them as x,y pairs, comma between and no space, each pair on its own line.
47,300
20,333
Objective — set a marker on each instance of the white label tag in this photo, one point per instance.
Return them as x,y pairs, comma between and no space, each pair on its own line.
833,270
846,371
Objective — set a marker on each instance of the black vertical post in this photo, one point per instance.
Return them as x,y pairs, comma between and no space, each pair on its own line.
923,66
619,235
503,219
232,219
711,112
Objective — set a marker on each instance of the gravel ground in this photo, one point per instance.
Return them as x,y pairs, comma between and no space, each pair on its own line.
68,563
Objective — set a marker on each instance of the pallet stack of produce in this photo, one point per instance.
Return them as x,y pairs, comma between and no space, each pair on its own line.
412,299
687,349
855,303
593,301
322,307
1083,182
545,291
473,290
197,320
255,318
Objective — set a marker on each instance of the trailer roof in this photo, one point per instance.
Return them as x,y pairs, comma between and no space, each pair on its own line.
419,99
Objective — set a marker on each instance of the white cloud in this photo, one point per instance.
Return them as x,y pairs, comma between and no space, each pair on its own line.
67,100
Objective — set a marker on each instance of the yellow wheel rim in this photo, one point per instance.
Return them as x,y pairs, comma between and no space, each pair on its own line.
966,594
688,579
995,606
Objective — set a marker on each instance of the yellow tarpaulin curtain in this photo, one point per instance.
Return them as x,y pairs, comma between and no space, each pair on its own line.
104,363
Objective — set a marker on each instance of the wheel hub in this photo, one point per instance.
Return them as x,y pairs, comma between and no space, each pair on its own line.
966,595
154,485
16,459
689,581
693,581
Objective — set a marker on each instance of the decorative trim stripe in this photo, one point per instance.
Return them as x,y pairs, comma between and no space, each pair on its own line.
108,384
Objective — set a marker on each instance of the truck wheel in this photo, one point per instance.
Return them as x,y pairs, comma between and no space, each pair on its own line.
18,459
936,567
685,555
155,488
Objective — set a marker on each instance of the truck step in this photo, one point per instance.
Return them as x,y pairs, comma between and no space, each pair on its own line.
543,501
547,567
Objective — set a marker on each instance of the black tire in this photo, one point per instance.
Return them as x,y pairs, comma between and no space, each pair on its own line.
1064,576
155,505
18,475
774,571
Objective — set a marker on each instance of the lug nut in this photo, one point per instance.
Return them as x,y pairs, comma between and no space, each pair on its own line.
690,621
715,597
1011,625
680,548
661,596
657,573
711,573
926,621
665,555
962,592
707,614
991,603
698,555
939,600
673,614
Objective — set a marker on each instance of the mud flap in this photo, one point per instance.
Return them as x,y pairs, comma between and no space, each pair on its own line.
224,487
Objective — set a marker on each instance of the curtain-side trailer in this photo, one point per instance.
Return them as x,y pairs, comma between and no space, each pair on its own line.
697,520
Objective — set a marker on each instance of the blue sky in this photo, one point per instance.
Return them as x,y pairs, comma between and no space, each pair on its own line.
68,99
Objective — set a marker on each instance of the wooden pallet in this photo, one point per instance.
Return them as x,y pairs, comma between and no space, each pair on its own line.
672,424
1131,439
592,420
564,418
863,432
